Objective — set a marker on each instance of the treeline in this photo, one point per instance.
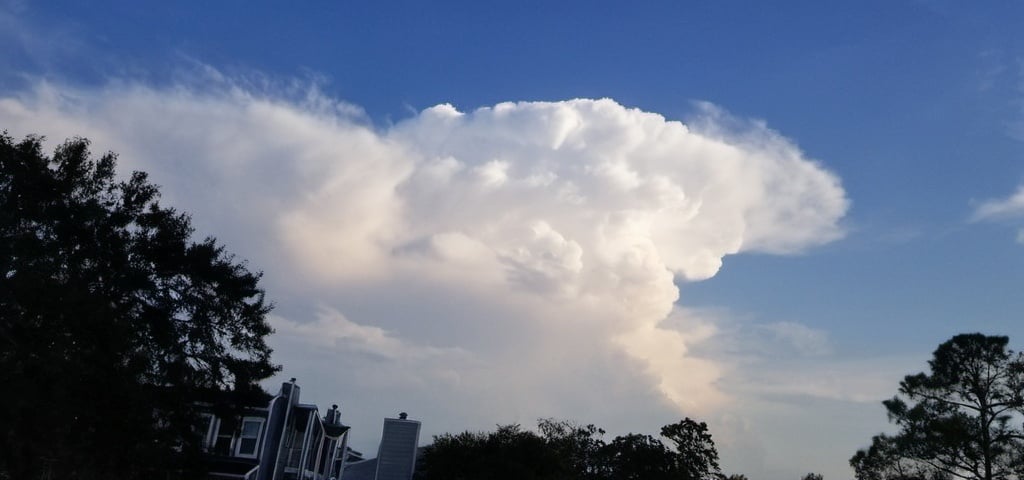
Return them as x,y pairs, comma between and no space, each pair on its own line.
563,450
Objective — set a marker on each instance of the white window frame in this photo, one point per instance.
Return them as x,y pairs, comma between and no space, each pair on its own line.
210,435
218,434
259,434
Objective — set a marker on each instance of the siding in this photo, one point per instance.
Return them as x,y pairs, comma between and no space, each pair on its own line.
397,455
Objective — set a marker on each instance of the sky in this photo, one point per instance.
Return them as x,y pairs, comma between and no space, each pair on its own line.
758,214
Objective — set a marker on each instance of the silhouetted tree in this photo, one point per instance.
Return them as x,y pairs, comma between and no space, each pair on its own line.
883,461
576,447
112,321
960,420
813,476
565,450
696,453
639,457
506,453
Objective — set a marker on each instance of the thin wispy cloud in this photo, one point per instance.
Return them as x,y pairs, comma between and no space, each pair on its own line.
1008,209
1002,208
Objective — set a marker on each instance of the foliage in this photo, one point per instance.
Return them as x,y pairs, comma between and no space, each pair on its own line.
112,321
882,461
813,476
694,447
639,457
507,453
960,421
565,450
574,447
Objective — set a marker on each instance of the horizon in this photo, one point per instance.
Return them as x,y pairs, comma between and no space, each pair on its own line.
761,217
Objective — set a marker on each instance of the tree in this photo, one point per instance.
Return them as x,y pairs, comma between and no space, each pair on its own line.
694,447
576,447
960,421
813,476
506,453
882,461
565,450
639,457
113,322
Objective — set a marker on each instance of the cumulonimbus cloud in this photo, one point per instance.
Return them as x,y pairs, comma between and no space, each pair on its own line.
512,234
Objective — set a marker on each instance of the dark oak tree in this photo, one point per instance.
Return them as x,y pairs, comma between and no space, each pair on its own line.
575,447
506,453
568,451
639,457
113,321
961,420
696,453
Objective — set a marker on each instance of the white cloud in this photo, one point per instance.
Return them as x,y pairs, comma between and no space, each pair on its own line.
1010,207
510,261
332,331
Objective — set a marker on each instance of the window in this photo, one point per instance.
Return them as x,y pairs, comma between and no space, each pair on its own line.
222,442
249,437
206,428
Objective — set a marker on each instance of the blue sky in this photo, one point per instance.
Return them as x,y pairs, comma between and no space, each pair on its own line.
915,107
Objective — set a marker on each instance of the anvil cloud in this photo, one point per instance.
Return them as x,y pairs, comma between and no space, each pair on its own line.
499,264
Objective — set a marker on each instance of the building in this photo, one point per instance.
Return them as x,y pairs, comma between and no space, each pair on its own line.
286,440
396,456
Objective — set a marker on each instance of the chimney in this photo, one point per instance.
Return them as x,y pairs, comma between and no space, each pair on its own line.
333,416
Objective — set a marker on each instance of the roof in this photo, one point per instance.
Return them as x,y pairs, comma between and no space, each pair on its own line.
361,470
335,430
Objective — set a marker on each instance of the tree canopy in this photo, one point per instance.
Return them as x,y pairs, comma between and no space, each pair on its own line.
961,420
113,321
694,448
565,450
